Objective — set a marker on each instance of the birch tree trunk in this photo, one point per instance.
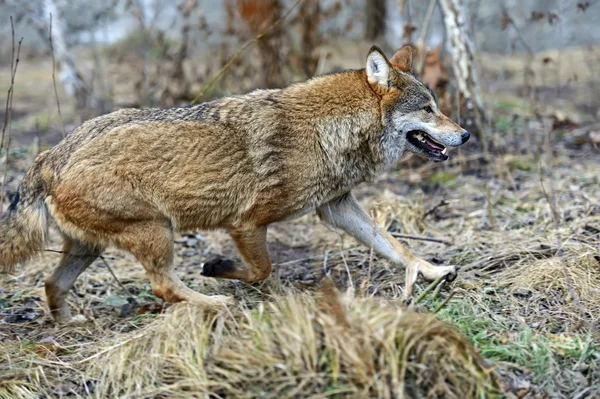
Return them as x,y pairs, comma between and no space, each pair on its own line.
461,49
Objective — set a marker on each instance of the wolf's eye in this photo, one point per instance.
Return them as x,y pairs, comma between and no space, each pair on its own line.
428,109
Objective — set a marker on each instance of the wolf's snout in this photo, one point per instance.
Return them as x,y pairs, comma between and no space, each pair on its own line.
465,136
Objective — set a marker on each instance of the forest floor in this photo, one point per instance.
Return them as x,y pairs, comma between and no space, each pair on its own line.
521,320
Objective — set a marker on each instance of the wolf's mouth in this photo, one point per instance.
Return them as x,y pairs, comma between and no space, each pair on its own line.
427,146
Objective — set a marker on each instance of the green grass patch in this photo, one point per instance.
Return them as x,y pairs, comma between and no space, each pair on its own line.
499,338
520,164
441,177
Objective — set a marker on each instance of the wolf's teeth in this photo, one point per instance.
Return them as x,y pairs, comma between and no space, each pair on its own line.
444,151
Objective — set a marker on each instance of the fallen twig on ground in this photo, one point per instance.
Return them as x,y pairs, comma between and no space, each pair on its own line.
421,238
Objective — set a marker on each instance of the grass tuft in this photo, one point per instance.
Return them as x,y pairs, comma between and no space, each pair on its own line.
297,346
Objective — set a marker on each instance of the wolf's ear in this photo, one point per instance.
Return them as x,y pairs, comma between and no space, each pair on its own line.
378,67
403,59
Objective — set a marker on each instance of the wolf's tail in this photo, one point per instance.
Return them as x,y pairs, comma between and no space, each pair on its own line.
24,225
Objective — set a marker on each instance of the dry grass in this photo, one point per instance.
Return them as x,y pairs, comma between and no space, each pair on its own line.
295,347
283,340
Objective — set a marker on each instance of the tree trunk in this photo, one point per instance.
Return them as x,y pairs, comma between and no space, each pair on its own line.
465,75
259,16
375,10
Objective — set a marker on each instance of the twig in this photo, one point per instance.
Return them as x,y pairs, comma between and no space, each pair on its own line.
372,249
8,115
421,238
315,257
110,348
241,50
488,204
347,268
56,251
437,290
54,79
428,289
116,279
559,252
421,41
439,205
441,305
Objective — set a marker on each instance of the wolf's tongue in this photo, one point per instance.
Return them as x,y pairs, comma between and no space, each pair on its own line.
433,144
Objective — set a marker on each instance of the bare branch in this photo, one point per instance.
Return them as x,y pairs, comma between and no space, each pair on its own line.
421,238
14,63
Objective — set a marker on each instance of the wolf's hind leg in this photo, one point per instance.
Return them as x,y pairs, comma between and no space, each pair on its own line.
76,257
252,245
152,245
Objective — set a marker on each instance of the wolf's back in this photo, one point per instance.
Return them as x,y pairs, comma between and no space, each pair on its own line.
23,226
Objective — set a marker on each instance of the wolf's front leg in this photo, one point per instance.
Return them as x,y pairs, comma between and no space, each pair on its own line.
345,212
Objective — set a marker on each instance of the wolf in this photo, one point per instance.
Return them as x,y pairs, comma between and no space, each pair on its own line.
133,177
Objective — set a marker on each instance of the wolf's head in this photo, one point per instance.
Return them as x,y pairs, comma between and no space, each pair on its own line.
411,116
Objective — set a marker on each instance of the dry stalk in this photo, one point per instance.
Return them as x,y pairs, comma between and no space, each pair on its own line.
54,79
55,251
241,50
489,206
427,290
441,305
559,252
116,279
422,51
421,238
372,249
434,208
14,62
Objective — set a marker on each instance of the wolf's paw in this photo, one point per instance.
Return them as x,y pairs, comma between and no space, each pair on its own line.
217,267
432,273
452,274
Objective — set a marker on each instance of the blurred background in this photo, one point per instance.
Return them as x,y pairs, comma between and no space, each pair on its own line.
532,58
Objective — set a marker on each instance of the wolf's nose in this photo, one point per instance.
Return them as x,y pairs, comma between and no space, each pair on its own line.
465,136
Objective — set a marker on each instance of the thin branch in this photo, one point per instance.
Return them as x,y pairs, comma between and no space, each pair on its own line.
14,63
116,279
55,251
441,305
372,249
241,50
421,238
54,79
439,205
428,289
421,41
